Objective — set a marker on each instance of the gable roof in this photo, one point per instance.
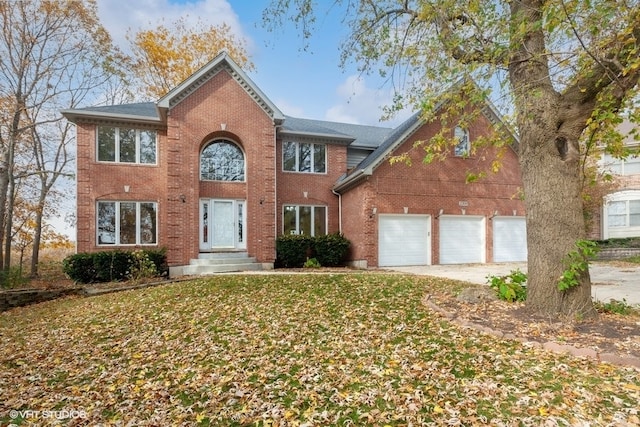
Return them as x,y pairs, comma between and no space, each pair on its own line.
221,62
156,112
400,134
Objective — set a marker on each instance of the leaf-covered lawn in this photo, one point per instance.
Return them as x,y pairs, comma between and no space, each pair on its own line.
288,350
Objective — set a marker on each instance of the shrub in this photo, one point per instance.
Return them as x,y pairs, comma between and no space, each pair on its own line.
293,250
80,268
109,266
112,266
159,259
312,263
331,249
511,287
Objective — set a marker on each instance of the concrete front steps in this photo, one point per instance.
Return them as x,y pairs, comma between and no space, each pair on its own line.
220,262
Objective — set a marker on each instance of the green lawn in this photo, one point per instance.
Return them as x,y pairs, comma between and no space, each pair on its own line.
288,350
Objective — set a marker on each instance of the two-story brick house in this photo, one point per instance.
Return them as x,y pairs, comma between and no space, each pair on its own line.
214,167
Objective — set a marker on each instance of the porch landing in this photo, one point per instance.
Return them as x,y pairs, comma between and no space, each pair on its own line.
217,262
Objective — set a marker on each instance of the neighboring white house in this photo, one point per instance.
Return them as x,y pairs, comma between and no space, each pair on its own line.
621,209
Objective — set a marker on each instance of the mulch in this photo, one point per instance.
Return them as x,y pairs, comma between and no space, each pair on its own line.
608,333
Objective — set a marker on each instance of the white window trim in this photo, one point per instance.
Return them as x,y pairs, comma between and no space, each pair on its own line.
117,223
117,147
626,231
297,158
313,214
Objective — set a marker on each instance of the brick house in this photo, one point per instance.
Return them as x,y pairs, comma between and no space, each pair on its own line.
214,169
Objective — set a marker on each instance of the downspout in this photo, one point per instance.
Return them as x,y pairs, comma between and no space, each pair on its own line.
339,209
275,187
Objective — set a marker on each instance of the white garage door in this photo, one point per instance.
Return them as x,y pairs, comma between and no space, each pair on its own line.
404,240
509,239
462,239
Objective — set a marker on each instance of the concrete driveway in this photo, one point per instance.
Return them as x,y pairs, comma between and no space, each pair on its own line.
608,281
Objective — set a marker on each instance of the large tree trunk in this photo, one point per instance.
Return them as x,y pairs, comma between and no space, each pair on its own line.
555,221
550,126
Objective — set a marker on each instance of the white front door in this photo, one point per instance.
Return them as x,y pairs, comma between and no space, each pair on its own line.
222,224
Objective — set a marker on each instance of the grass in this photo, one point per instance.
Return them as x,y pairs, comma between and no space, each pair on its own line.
288,350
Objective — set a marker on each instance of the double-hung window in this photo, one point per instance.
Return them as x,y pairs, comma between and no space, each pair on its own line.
304,157
462,147
127,223
126,145
307,220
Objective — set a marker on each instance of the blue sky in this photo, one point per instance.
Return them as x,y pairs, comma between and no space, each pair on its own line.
306,84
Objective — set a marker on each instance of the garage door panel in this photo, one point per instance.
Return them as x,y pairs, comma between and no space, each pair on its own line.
462,239
403,240
509,239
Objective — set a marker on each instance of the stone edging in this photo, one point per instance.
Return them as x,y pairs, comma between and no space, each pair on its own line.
555,347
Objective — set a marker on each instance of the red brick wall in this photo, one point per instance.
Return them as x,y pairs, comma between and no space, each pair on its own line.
98,181
197,120
425,189
292,185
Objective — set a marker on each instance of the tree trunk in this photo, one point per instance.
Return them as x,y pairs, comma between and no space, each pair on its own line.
37,235
552,188
550,126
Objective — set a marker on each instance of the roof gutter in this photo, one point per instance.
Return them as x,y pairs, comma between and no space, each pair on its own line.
77,115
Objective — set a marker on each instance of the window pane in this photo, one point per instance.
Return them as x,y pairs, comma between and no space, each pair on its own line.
617,214
106,223
634,213
289,156
462,147
240,222
147,146
319,158
305,220
127,145
632,166
222,161
320,220
289,220
147,223
106,144
304,163
127,223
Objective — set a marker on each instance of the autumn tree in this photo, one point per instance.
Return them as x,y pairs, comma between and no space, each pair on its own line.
568,67
53,54
166,55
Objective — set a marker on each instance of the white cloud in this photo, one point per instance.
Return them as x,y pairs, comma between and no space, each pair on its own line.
119,16
360,104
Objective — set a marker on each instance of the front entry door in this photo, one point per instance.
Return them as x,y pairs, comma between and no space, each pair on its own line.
222,224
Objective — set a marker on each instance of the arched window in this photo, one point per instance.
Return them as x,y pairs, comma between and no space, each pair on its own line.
222,161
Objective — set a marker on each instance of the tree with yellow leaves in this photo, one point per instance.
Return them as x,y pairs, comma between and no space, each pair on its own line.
165,56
